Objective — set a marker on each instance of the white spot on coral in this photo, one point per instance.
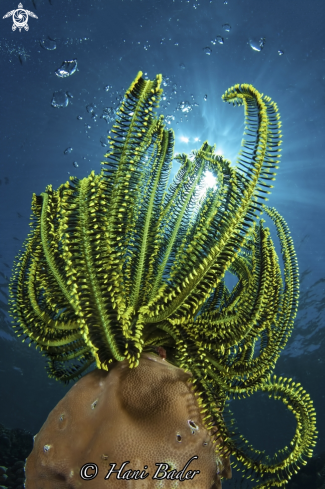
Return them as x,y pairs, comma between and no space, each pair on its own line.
94,404
194,427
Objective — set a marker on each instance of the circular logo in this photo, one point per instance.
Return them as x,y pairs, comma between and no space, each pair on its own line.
20,19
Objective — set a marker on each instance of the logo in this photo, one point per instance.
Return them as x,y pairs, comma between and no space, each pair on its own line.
20,18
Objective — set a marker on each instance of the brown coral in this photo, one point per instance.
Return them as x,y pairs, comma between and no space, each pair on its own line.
144,416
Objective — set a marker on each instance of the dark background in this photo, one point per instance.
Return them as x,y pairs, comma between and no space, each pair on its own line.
112,40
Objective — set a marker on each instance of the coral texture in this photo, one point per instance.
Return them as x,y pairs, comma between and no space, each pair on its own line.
145,416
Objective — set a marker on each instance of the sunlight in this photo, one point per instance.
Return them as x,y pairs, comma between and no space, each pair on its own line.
184,139
208,181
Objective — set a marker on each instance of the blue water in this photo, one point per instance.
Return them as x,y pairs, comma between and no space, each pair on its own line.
112,40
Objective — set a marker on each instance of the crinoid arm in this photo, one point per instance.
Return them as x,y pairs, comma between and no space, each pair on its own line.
120,263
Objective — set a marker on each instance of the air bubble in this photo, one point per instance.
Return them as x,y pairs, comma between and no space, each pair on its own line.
67,68
178,438
184,106
218,40
257,44
108,114
60,99
94,404
226,27
48,44
207,50
75,164
103,141
169,119
68,151
90,108
280,52
46,448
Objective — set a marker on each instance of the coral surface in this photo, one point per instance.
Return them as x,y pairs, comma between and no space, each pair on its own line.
143,416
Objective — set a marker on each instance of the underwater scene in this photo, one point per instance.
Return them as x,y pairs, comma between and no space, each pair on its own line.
162,274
